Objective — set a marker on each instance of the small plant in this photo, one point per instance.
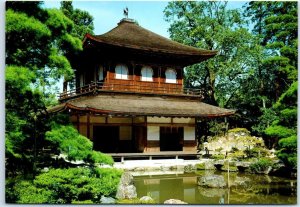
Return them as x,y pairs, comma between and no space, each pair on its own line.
218,157
261,166
256,152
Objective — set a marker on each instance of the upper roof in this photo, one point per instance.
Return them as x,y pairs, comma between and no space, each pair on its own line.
130,35
137,105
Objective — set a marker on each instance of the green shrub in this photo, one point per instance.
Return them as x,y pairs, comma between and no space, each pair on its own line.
75,146
200,166
232,166
288,151
256,152
98,157
237,154
261,165
218,157
238,130
69,186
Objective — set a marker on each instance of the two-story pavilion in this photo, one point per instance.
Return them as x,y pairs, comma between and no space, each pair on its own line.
129,94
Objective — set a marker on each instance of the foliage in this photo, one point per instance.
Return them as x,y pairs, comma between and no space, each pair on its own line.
237,155
288,151
261,165
69,185
77,147
211,25
256,152
218,157
284,127
239,130
83,21
39,48
216,127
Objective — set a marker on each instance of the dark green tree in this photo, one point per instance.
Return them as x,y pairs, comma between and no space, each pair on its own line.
276,24
83,21
230,79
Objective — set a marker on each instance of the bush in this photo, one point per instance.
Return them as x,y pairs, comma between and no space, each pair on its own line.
77,147
256,152
79,185
261,165
218,157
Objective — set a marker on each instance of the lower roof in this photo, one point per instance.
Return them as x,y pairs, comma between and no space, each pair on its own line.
141,105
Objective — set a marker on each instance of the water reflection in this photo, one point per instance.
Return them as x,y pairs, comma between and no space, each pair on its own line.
243,189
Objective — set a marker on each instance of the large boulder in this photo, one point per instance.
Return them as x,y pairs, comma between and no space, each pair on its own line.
174,201
212,181
126,192
126,179
126,189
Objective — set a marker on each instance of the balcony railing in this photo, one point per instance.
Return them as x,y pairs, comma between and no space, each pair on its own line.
150,87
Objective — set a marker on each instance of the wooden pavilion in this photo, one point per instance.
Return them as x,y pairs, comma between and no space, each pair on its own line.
129,94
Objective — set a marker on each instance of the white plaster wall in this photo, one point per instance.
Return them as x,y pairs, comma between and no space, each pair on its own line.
189,133
153,133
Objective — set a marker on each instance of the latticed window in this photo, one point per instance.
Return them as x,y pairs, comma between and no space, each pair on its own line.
147,74
121,71
170,76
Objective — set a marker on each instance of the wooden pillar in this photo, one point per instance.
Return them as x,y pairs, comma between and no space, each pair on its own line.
133,77
159,75
88,125
78,123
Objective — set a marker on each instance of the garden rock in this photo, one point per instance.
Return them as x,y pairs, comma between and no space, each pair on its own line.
174,201
107,200
146,199
126,179
212,181
126,189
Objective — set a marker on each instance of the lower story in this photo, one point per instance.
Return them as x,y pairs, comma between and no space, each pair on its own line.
137,134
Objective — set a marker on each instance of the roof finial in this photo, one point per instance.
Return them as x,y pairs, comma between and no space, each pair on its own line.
125,12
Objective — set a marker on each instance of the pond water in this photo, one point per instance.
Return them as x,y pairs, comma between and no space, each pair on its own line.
259,189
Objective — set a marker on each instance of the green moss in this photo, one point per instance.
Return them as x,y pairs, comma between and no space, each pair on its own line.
236,130
232,167
200,166
135,201
82,202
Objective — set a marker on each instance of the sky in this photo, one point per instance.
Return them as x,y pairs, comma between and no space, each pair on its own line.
107,14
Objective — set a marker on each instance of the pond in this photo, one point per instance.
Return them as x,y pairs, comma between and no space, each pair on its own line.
260,189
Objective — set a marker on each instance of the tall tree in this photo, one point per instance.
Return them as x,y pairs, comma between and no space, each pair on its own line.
83,21
39,44
211,25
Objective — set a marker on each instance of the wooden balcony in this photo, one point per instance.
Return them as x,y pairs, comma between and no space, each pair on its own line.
137,87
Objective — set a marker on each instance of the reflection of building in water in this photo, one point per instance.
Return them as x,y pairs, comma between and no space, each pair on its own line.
183,188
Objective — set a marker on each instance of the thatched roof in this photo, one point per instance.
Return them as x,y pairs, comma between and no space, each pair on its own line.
137,105
130,35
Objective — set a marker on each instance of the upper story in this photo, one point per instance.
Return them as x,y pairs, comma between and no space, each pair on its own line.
130,58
